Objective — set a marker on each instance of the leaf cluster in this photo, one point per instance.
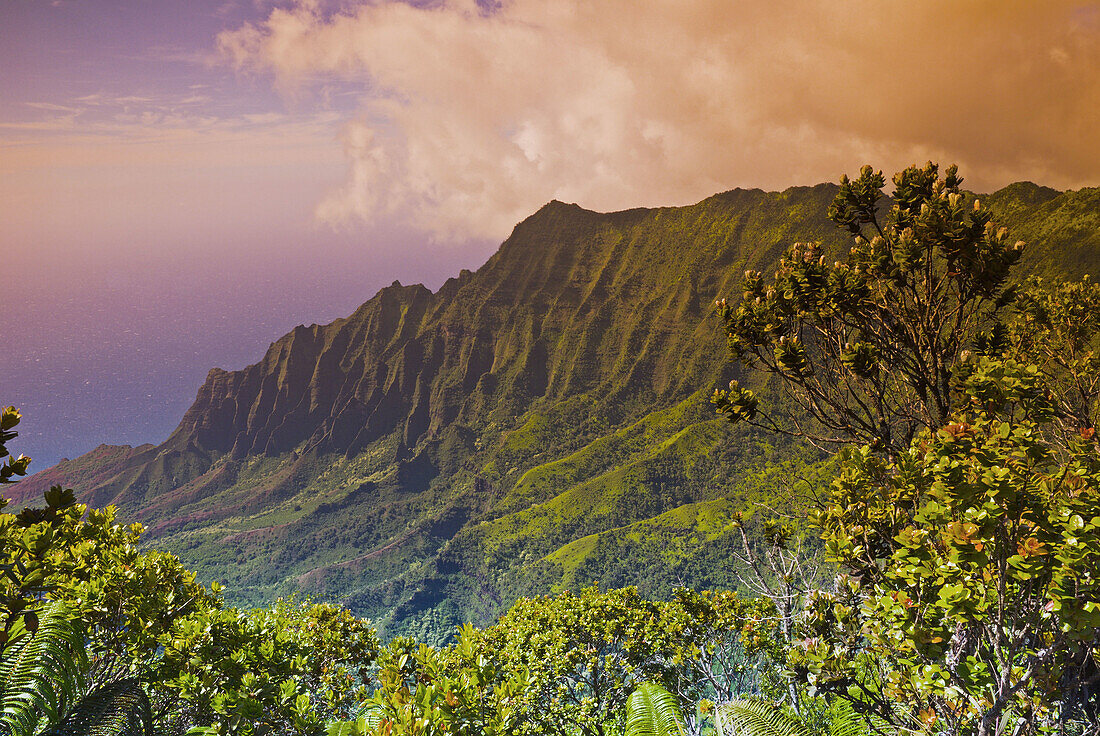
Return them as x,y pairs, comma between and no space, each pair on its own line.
973,593
10,466
459,690
1055,325
287,669
587,652
44,687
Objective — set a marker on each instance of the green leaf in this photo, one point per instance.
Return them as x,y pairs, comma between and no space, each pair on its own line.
41,671
118,709
757,718
652,711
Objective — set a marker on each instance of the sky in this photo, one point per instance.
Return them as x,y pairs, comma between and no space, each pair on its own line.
182,182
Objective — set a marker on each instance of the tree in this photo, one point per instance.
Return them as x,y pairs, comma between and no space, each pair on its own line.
30,552
1056,326
456,691
727,647
587,652
124,599
865,347
287,669
969,520
64,551
145,623
974,596
48,672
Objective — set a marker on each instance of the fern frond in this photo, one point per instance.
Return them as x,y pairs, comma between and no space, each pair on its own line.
757,718
118,709
652,711
845,721
41,672
367,722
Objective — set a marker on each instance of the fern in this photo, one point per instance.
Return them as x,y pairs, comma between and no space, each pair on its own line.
844,721
652,711
41,672
367,722
42,680
756,718
118,709
760,718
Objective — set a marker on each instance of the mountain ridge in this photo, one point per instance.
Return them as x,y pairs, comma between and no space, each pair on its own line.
381,458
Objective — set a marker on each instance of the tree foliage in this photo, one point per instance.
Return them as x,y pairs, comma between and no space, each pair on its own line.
587,652
459,690
973,595
10,466
62,550
865,346
1056,327
287,669
967,521
146,624
35,555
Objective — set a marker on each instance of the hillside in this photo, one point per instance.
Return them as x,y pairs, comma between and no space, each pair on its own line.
539,423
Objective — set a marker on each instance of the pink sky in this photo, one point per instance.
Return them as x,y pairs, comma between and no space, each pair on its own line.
328,147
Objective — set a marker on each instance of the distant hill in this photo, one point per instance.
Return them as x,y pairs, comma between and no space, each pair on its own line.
542,422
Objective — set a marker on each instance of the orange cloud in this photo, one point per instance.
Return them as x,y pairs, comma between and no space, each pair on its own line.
472,119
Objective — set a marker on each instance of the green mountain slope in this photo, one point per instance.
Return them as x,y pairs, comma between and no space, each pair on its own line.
541,422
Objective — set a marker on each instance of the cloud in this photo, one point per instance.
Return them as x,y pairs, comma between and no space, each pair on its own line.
159,135
52,107
472,118
165,116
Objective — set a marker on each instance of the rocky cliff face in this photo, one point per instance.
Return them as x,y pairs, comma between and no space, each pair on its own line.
326,388
388,458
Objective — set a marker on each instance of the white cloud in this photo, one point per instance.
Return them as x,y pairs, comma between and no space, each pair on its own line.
470,119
